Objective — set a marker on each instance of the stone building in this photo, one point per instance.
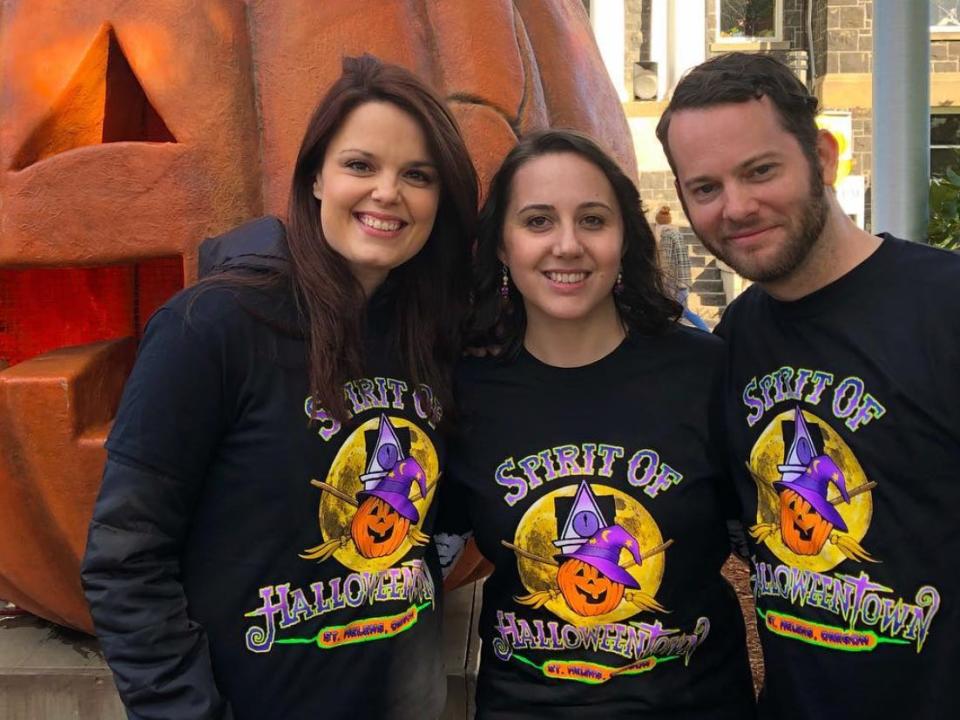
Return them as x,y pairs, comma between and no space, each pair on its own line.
829,43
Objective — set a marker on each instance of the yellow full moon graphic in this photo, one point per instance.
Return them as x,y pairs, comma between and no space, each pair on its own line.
768,453
336,514
538,529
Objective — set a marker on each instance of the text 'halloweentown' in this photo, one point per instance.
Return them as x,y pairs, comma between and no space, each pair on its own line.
283,607
857,600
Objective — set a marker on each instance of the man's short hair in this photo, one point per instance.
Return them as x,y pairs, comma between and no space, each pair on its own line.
738,77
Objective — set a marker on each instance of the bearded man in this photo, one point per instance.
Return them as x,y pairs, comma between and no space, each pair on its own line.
842,403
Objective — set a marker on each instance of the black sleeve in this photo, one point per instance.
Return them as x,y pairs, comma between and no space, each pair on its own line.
166,430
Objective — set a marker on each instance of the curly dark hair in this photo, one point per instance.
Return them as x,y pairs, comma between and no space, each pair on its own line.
643,304
737,77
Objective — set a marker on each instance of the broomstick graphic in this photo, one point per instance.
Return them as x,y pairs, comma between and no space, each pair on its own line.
842,540
325,549
639,599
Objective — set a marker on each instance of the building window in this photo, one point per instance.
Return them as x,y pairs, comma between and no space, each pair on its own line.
741,21
944,141
944,16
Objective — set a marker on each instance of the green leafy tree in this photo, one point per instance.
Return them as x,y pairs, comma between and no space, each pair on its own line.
944,227
748,18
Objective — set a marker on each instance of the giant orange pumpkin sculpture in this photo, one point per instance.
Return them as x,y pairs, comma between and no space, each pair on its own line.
130,131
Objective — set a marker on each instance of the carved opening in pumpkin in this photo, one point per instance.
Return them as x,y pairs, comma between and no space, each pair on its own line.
104,102
42,309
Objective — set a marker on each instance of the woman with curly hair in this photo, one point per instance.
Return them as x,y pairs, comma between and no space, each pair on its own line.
588,465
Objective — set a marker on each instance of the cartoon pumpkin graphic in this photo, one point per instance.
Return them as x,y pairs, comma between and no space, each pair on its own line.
589,576
383,519
378,529
591,579
808,519
587,590
806,516
385,516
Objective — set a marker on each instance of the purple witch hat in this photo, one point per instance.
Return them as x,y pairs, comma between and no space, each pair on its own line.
813,484
602,551
394,489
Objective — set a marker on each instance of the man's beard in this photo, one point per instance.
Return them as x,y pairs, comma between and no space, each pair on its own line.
797,246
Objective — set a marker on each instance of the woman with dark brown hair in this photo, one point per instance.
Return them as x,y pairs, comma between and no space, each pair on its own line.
588,464
259,547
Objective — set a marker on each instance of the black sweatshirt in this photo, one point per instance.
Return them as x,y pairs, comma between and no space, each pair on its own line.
248,553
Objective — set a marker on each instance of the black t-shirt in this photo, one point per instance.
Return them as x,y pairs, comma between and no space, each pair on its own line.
306,560
594,491
844,417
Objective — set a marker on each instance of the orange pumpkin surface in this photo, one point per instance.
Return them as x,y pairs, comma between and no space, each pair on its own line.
803,529
377,529
588,591
130,131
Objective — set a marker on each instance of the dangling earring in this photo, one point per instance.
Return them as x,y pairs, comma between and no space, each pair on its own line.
618,285
504,282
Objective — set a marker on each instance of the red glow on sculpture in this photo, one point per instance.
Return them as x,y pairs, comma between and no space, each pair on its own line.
42,309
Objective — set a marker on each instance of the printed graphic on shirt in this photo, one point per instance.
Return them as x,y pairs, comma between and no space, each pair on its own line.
814,509
814,503
569,555
371,507
594,557
376,495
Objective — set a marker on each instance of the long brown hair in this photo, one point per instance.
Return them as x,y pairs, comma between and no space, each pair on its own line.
642,304
429,292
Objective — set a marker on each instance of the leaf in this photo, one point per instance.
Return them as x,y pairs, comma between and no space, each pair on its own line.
943,229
